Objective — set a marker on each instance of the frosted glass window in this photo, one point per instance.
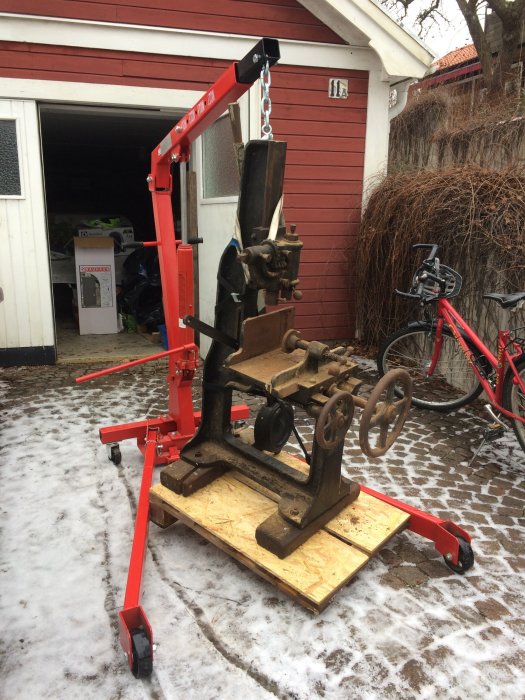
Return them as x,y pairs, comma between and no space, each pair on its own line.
9,168
220,175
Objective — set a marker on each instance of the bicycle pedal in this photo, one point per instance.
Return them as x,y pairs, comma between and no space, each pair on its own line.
495,431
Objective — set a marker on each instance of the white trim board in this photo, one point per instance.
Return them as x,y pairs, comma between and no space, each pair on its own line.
176,42
99,94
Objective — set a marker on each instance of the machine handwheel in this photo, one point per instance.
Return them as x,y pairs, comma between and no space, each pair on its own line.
115,455
334,420
142,656
388,414
465,557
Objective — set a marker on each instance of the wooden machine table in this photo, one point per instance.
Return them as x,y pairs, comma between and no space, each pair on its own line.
228,511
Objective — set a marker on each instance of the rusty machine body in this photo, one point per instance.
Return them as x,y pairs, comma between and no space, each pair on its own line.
262,354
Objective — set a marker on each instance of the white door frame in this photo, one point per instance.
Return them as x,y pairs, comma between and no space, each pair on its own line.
26,314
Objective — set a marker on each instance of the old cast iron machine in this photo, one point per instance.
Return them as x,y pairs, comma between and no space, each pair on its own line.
254,352
261,354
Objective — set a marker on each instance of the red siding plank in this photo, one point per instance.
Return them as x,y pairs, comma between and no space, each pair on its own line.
313,158
319,283
322,295
248,9
323,306
318,114
319,242
288,127
290,21
328,320
334,268
320,71
347,229
299,186
322,215
339,333
329,144
325,256
327,201
284,80
316,98
324,172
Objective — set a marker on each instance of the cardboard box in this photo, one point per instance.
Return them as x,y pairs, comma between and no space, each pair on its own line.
95,277
122,234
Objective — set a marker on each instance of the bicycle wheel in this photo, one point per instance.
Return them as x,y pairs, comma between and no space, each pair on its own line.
514,399
452,384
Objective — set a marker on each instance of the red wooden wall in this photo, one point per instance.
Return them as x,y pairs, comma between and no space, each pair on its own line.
47,62
326,137
285,19
323,188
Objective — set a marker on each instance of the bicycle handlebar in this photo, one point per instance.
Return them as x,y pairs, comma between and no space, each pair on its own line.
433,249
407,295
430,271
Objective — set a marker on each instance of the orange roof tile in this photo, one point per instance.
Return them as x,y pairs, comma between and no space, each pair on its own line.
456,57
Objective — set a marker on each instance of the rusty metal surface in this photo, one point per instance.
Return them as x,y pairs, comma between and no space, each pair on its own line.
268,360
385,411
261,334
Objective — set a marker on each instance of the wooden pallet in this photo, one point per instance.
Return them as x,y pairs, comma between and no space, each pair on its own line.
228,511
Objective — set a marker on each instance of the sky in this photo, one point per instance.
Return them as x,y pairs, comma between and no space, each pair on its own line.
446,37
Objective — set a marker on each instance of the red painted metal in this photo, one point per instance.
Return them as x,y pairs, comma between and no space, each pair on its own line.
165,425
134,363
132,616
508,351
161,439
176,268
443,533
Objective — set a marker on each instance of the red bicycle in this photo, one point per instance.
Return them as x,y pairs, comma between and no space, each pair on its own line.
449,364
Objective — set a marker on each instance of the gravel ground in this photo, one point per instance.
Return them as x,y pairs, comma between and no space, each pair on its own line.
406,627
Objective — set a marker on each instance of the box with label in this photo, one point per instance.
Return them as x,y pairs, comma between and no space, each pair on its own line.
121,234
95,277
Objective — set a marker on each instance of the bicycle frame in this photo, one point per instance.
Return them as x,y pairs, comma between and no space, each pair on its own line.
446,313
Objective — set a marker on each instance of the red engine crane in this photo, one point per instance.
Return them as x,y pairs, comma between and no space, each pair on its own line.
160,439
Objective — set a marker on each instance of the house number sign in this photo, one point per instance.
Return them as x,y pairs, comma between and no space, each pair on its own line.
338,88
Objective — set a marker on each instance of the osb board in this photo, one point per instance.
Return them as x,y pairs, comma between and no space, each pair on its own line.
368,523
228,512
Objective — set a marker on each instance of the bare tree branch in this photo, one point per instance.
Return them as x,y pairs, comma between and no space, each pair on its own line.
511,13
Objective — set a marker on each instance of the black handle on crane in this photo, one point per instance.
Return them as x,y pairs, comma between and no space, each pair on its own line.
249,68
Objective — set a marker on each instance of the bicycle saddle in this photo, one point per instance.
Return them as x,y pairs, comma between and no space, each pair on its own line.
506,301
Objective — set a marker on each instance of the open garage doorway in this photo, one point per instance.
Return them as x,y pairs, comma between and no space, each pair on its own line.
96,161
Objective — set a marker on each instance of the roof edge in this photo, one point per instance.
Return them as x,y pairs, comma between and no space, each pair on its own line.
402,54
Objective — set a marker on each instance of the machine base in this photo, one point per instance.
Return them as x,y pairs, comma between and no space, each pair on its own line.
282,537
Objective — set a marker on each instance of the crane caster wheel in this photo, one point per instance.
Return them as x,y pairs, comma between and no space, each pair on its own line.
114,454
142,659
465,558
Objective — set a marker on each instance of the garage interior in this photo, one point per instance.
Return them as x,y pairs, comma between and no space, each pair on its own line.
96,161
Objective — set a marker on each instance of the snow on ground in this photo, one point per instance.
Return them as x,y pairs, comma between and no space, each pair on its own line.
406,627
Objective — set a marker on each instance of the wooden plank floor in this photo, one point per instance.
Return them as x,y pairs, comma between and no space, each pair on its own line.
228,511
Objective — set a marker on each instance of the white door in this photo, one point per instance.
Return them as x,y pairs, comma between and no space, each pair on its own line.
218,187
26,313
